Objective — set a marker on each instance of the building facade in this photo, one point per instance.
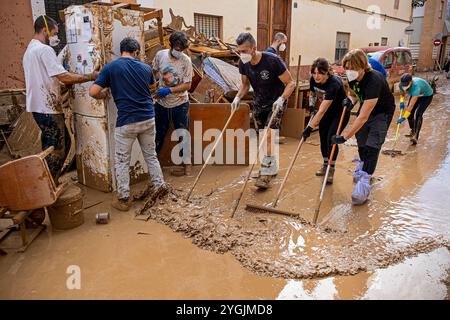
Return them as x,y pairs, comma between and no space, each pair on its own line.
429,24
315,27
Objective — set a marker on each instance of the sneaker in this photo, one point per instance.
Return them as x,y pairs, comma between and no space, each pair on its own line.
410,134
263,182
321,172
358,170
330,176
144,193
161,191
362,189
121,204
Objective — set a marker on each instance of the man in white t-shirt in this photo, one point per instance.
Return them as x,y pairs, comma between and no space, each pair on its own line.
43,77
174,70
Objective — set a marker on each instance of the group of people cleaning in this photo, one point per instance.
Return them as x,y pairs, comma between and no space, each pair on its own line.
129,81
329,101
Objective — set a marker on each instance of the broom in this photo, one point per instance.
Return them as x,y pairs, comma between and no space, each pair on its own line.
261,209
392,152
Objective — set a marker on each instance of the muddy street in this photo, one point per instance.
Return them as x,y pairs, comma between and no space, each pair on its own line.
395,246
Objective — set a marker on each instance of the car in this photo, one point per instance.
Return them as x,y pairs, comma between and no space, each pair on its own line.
396,61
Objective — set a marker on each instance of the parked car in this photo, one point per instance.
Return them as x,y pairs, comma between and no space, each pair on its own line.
396,61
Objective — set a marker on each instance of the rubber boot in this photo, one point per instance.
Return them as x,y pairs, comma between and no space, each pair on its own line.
358,170
362,189
322,170
330,176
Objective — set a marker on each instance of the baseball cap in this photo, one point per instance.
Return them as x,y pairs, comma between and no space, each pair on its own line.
405,79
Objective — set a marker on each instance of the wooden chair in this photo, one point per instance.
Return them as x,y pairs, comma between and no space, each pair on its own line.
26,184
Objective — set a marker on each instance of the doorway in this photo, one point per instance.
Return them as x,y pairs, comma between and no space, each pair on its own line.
274,16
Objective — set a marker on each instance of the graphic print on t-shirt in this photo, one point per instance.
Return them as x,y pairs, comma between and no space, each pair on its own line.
170,77
264,74
320,94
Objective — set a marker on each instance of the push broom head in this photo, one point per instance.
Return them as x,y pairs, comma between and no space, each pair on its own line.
393,153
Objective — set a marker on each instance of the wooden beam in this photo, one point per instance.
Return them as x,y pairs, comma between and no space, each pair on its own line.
155,14
120,5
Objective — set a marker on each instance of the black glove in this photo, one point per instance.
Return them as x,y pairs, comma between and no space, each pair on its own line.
348,104
307,132
337,139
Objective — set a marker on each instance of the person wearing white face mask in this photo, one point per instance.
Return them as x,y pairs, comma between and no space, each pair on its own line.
421,94
377,106
272,84
278,44
43,75
173,68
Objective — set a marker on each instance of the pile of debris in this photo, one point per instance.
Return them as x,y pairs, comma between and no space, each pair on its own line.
216,77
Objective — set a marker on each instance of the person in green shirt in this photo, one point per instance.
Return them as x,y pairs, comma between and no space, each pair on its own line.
421,95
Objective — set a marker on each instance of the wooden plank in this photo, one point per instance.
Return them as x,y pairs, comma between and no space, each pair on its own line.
212,116
293,123
121,5
153,15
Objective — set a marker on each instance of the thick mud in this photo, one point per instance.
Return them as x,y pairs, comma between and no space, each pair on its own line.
394,247
401,220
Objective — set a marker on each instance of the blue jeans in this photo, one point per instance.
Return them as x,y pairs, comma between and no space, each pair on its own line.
125,136
52,135
179,116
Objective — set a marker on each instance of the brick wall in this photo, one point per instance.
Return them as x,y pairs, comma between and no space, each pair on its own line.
432,25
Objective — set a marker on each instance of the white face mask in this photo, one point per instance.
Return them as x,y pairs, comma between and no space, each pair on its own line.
53,41
176,54
245,57
352,75
282,47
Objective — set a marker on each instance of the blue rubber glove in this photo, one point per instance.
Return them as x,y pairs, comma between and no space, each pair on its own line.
162,92
400,120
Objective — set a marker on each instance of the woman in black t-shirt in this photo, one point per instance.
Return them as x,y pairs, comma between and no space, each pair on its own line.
377,107
327,90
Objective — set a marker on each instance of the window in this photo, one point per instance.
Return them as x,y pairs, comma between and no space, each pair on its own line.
441,9
396,4
52,8
210,26
388,60
384,41
376,44
400,58
406,58
342,44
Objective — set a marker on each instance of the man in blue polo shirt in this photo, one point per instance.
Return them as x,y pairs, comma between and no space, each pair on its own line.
129,80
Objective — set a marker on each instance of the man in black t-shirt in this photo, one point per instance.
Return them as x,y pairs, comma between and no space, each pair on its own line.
272,85
377,106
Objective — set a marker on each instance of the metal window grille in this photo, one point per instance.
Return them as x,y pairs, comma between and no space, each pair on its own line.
52,8
342,44
384,41
208,25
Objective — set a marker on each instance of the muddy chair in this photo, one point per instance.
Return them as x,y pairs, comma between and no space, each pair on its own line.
26,189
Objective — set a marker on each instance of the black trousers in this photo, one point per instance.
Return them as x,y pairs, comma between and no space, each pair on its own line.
327,128
53,135
416,117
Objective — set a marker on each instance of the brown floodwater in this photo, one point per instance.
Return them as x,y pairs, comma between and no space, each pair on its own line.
395,247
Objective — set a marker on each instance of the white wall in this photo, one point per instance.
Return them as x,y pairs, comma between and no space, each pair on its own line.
238,15
314,28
